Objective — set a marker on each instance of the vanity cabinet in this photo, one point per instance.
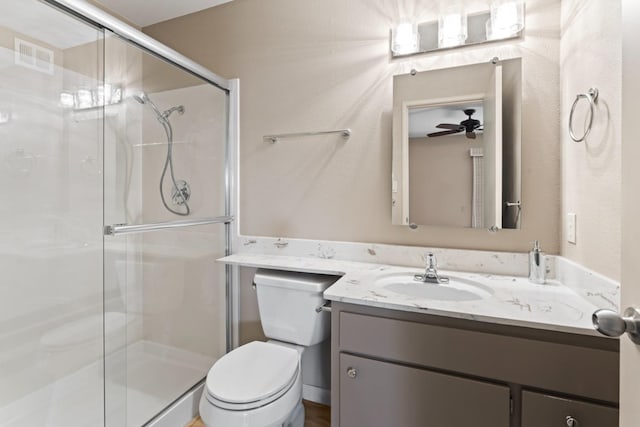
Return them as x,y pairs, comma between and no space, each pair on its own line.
395,368
544,410
383,394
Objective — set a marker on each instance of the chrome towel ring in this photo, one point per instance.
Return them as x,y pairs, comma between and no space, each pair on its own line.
592,97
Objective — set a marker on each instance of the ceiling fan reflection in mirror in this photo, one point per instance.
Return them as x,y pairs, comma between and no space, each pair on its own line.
469,126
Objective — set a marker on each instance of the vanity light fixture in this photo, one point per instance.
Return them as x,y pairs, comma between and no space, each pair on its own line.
452,27
456,27
507,19
405,39
107,95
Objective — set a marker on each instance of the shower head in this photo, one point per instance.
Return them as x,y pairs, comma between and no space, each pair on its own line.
143,99
178,108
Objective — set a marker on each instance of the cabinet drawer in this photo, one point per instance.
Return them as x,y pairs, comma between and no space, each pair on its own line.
544,410
382,394
569,369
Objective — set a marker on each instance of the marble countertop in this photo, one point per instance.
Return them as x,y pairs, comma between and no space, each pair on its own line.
514,300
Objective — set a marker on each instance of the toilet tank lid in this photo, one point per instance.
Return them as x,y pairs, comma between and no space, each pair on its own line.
308,282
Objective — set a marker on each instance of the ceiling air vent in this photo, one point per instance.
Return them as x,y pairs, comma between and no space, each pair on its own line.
32,56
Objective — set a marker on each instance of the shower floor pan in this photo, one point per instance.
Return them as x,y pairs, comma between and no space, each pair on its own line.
155,376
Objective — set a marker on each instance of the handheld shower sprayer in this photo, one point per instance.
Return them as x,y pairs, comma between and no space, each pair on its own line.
181,190
178,108
163,116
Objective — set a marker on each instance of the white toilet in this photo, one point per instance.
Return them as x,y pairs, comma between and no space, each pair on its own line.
260,383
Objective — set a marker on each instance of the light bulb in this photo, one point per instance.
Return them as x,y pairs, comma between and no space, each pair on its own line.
507,18
66,100
452,28
405,39
83,99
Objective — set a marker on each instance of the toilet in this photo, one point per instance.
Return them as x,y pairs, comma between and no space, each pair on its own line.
260,384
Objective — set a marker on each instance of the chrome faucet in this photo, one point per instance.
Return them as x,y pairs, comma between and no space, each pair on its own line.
431,272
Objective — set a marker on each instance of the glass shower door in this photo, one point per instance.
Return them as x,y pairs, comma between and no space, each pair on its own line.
165,152
51,310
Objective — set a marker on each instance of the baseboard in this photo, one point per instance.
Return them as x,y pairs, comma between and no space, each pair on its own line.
182,411
316,394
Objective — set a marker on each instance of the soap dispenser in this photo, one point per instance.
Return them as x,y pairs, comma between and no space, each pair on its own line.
537,264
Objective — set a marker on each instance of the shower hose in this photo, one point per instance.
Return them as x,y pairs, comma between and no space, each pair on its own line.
168,164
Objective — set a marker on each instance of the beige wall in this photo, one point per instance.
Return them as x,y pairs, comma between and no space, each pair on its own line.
334,70
250,328
309,66
591,178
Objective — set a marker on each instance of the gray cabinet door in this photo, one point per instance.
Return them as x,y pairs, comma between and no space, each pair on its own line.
382,394
540,410
565,368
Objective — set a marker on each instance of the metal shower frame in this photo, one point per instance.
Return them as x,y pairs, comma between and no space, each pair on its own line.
102,20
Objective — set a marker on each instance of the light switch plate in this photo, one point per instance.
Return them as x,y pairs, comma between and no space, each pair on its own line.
571,228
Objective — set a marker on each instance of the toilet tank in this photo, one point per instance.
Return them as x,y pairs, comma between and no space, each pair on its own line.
288,300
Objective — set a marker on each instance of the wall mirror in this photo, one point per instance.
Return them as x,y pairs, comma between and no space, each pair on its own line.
456,146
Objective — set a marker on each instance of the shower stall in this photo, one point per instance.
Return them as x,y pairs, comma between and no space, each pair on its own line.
115,167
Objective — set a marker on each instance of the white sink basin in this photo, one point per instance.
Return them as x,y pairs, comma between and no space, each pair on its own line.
457,289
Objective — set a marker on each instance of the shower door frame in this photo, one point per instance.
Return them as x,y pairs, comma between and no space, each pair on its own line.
102,20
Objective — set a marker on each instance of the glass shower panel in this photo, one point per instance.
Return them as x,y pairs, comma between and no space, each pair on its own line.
165,284
51,311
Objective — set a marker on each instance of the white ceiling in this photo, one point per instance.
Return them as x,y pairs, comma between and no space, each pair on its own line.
145,12
42,22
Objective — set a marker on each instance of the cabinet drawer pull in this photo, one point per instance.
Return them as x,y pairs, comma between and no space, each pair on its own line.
571,422
351,372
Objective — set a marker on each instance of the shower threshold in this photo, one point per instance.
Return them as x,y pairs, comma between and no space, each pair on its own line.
141,380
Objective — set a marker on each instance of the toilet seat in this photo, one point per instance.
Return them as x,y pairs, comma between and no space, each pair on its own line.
252,376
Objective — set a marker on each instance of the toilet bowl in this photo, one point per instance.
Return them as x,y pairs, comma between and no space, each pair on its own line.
257,384
260,384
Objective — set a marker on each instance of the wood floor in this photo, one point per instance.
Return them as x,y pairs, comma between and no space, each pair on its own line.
316,415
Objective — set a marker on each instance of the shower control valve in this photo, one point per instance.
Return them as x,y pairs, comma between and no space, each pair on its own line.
181,193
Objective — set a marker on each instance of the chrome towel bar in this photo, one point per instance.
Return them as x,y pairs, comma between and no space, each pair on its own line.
326,307
117,229
346,133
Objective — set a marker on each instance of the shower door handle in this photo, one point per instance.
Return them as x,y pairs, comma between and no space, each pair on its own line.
117,229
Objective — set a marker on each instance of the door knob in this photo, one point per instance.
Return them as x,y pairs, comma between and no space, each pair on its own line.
611,324
571,422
